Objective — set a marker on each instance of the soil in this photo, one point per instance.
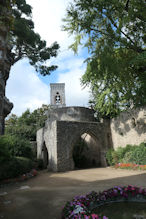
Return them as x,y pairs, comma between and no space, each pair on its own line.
43,196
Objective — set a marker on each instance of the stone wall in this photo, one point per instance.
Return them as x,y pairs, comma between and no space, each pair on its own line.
50,138
92,150
71,114
65,126
62,130
129,128
47,137
68,132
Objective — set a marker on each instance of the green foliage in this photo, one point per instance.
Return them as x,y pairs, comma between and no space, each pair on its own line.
23,40
14,167
114,33
15,156
15,146
135,154
109,157
120,153
27,124
4,150
39,164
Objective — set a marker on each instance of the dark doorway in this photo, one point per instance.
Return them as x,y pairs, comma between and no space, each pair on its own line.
86,152
45,155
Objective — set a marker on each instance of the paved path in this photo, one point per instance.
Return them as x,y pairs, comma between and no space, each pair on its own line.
43,196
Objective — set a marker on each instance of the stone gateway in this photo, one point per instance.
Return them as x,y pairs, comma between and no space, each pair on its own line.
58,140
64,126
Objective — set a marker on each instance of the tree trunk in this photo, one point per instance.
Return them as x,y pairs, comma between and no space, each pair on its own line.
5,64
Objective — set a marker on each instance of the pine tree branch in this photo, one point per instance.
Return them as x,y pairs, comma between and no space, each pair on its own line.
127,5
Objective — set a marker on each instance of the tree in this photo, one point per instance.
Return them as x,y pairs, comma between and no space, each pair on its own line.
26,126
114,33
19,40
25,42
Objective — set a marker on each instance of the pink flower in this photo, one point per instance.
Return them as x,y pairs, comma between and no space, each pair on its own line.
94,216
34,172
86,217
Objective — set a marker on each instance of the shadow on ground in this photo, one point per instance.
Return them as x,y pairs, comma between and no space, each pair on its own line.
45,195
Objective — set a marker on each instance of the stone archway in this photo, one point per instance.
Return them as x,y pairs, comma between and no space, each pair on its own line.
86,151
62,129
72,131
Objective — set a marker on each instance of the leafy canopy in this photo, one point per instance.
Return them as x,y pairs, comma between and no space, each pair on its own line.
114,33
23,40
27,124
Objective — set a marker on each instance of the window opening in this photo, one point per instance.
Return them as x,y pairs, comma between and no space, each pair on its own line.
57,98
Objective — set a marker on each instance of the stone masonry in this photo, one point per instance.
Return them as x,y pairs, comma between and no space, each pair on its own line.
62,129
65,125
129,128
57,94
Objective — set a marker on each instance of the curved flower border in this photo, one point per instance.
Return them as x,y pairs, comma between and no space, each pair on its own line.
23,177
82,206
130,166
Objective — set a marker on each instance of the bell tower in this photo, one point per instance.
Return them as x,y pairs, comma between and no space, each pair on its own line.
57,94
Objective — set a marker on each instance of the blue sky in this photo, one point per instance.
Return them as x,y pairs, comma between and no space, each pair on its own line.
27,89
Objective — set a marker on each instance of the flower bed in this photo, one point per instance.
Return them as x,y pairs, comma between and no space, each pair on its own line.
81,207
130,166
23,177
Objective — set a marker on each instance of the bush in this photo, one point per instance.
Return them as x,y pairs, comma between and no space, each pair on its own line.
119,154
17,146
109,157
130,154
137,155
39,164
14,167
127,157
4,151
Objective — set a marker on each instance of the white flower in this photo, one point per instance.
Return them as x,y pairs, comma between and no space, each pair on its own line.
78,209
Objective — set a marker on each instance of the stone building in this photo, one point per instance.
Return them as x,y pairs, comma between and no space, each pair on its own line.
129,128
63,128
65,125
57,95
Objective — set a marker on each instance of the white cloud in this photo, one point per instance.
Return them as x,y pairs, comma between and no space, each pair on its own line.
25,89
75,94
48,20
28,90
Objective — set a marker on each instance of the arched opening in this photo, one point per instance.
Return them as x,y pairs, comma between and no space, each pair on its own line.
86,152
57,98
45,155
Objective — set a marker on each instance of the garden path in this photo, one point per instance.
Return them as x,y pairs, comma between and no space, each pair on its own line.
43,196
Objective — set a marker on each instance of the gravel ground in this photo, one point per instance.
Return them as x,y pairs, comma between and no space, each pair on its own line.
43,196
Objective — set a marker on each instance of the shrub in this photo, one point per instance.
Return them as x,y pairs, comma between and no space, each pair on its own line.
21,147
17,146
127,157
4,151
109,157
130,154
122,151
39,164
137,155
15,167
